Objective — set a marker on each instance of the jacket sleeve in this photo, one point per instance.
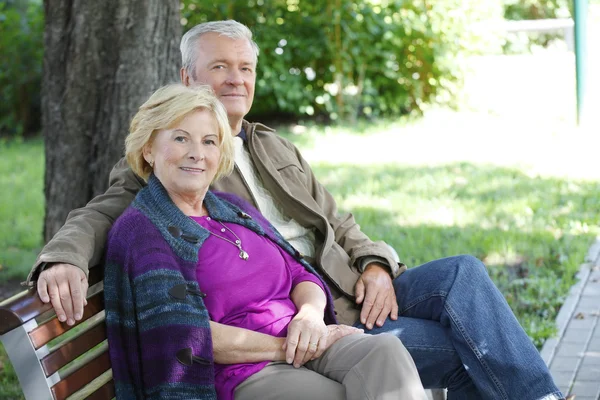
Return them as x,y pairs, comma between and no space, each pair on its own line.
82,239
347,232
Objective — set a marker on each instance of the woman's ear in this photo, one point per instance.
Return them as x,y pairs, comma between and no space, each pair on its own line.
147,153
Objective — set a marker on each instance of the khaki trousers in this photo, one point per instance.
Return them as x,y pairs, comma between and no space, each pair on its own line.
356,367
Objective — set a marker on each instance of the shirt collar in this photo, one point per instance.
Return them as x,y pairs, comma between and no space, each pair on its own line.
242,135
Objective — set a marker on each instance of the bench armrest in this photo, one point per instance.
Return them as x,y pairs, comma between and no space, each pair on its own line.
27,305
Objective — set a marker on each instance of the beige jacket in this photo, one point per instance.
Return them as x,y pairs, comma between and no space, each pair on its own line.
339,242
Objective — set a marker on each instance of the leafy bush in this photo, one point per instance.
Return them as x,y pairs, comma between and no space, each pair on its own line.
349,58
21,52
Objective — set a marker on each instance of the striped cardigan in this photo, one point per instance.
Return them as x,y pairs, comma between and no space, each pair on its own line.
158,327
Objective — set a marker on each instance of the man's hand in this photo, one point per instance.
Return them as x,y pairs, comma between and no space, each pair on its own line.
374,289
336,332
65,286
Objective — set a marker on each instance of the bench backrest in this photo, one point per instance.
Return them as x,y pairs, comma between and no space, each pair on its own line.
53,360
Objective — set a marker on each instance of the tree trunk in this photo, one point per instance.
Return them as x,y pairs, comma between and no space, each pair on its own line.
102,60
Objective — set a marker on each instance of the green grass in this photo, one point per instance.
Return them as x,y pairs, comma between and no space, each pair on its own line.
21,206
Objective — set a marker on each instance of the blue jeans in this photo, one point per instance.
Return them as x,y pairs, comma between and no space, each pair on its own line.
463,335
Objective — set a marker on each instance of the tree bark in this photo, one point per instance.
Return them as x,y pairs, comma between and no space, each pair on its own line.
102,60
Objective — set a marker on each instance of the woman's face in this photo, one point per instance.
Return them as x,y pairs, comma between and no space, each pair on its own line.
186,157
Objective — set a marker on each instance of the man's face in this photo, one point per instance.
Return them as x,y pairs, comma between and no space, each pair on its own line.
229,67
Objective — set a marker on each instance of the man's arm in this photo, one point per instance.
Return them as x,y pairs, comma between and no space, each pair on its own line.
62,267
81,240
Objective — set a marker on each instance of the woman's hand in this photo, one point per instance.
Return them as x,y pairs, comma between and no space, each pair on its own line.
307,336
303,345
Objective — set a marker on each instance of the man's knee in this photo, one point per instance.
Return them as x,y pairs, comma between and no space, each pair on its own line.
469,265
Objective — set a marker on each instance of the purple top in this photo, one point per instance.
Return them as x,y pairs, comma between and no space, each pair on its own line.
252,294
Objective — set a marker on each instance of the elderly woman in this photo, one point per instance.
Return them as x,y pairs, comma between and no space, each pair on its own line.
205,299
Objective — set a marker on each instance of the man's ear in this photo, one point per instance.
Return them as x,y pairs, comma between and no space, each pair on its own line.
185,78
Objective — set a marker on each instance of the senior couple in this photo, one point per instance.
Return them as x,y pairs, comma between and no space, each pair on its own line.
205,295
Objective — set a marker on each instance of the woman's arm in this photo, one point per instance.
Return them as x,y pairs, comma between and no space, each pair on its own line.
310,297
232,345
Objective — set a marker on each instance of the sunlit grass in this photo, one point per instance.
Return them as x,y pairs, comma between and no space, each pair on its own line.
532,232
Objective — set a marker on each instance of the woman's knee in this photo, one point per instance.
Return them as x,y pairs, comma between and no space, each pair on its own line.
388,345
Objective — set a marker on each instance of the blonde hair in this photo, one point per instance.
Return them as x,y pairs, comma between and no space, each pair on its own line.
229,28
163,110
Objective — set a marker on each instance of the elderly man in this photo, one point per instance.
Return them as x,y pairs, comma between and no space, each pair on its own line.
449,315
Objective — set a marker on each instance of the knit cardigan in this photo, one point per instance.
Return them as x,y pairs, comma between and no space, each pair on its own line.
158,328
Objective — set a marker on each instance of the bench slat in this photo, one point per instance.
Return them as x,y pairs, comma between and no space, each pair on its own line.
105,392
74,348
54,328
27,305
84,375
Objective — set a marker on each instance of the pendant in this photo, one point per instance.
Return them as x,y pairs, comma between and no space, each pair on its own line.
243,255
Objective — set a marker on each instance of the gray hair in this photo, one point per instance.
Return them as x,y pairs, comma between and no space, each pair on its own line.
230,28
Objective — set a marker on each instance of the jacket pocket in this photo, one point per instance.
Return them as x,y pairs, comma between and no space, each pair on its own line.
283,163
292,173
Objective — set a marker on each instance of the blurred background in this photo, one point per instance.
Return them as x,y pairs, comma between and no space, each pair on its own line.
457,119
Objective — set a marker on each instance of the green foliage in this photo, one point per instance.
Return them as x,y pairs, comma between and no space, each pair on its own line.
21,52
349,58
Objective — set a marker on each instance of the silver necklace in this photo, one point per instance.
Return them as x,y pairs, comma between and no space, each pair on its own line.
238,242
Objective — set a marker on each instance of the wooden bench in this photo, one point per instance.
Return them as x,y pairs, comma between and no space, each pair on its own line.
55,361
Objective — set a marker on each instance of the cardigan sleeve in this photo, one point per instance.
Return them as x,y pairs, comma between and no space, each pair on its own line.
121,320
